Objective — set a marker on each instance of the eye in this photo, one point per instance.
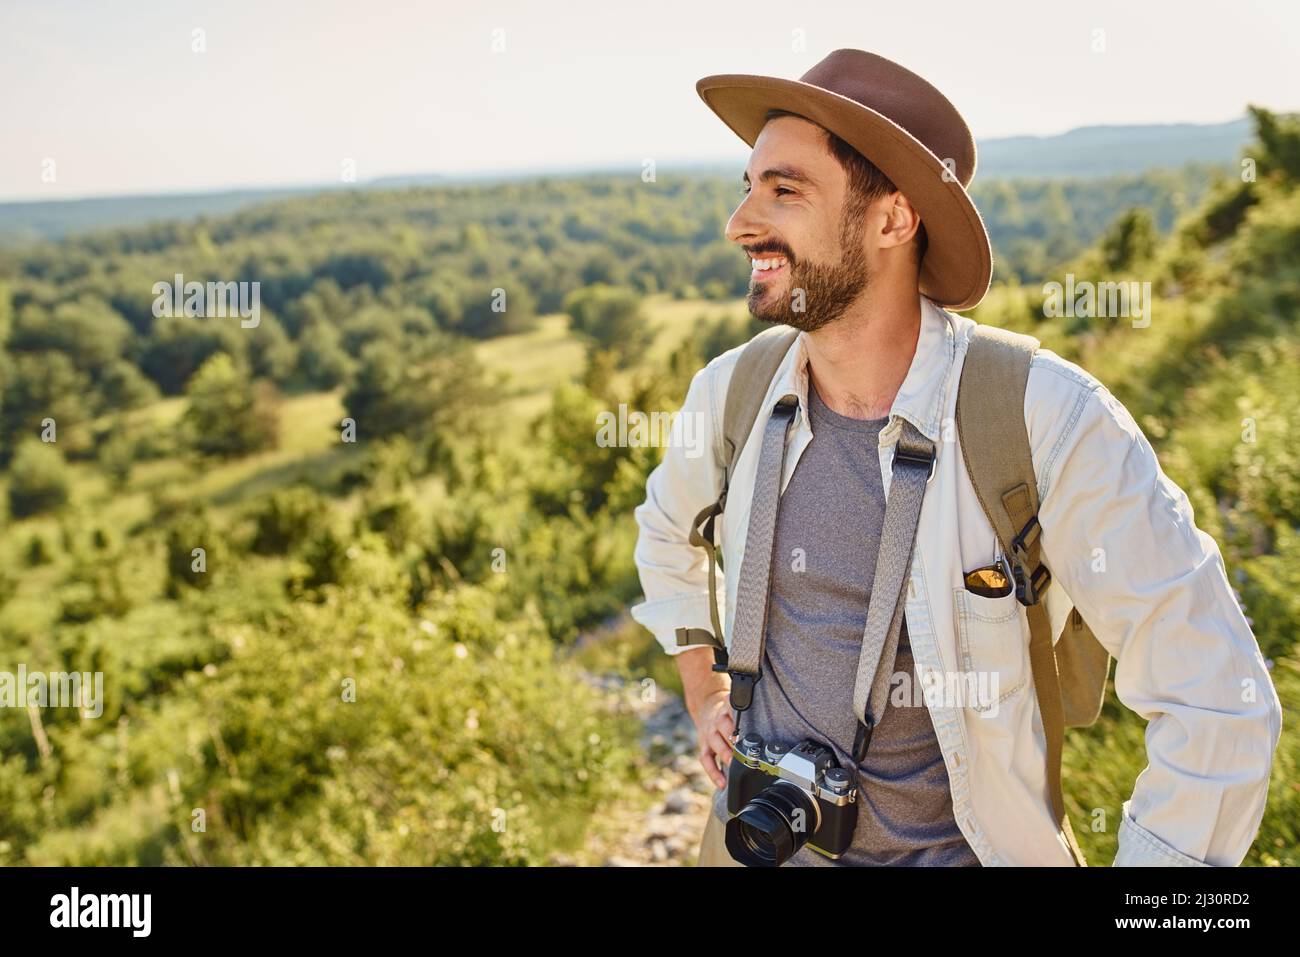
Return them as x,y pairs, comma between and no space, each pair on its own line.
780,190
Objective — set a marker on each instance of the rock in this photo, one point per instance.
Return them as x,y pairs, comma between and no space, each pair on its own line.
701,784
674,782
678,802
656,832
687,764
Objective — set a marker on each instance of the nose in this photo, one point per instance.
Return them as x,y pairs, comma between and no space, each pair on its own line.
744,228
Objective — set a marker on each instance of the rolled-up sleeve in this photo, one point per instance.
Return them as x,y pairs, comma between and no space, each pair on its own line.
1120,539
674,573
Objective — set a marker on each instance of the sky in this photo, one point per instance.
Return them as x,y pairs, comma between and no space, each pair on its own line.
117,98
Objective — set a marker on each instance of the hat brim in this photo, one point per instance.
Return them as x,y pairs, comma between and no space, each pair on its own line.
958,264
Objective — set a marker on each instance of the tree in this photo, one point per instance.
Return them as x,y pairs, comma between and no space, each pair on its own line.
610,318
38,479
40,386
194,551
287,519
270,351
87,331
1279,141
228,413
6,311
122,386
1130,242
498,309
116,455
322,363
178,345
417,394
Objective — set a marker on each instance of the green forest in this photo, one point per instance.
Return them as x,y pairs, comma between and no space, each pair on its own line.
340,569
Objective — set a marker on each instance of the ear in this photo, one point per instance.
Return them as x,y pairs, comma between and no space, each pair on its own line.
901,221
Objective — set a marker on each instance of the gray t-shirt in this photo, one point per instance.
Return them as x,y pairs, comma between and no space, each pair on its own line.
824,560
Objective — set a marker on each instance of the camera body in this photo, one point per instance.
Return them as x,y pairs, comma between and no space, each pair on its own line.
778,800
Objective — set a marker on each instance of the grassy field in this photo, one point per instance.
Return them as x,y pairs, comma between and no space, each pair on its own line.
531,364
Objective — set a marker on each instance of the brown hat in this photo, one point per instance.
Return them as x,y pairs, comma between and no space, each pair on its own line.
904,126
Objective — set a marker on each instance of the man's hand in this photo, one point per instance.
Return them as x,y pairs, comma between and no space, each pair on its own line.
708,701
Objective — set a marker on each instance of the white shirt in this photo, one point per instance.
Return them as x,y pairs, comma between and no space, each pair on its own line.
1186,660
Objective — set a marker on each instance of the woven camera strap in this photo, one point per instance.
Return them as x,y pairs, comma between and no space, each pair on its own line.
913,466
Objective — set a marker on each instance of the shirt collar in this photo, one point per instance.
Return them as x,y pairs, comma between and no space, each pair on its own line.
920,399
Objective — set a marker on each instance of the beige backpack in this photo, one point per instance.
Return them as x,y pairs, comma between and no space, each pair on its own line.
1070,676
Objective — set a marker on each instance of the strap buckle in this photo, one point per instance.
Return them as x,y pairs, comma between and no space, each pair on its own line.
862,739
701,531
926,459
742,690
1029,585
701,636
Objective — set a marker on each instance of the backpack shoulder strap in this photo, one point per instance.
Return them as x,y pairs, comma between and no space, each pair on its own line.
757,364
995,447
991,429
755,367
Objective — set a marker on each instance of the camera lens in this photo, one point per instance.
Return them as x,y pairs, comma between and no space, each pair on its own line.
772,827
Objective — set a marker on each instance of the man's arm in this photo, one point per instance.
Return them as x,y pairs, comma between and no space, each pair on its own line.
1120,539
675,574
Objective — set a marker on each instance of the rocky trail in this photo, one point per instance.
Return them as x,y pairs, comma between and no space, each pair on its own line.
664,828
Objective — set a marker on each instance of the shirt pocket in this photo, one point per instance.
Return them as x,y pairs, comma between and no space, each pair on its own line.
993,645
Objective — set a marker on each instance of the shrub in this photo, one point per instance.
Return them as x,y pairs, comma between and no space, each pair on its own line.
38,479
287,519
228,414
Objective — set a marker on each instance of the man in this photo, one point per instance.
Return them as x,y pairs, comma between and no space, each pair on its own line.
860,229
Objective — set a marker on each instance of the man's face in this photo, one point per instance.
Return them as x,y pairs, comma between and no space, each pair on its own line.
800,214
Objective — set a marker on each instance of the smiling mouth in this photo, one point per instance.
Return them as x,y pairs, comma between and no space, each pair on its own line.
765,269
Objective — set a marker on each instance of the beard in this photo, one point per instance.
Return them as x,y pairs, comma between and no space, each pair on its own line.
817,293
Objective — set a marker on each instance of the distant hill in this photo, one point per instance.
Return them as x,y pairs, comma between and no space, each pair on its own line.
1111,150
407,181
1093,151
54,219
